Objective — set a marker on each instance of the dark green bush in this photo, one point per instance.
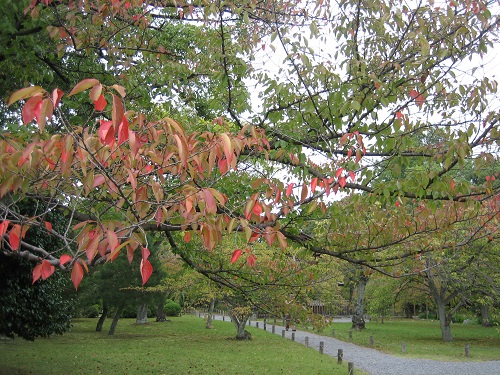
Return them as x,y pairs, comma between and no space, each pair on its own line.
172,308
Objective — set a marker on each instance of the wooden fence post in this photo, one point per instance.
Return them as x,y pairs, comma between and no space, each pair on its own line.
283,333
350,335
274,328
293,336
467,350
321,347
340,356
256,324
371,342
350,368
333,332
403,347
306,341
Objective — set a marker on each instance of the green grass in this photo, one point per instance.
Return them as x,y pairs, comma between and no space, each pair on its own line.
182,346
423,339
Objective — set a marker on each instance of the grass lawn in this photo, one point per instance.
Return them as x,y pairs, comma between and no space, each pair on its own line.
423,339
182,346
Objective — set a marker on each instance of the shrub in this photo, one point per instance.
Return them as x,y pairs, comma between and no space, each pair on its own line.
172,308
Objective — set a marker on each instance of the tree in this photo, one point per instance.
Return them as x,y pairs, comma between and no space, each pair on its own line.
357,107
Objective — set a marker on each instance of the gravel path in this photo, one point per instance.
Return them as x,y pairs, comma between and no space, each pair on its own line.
378,363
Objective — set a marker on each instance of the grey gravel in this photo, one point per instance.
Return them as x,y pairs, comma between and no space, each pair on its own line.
377,363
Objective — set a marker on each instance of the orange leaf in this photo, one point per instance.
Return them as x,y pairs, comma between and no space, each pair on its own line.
96,92
339,172
84,85
145,253
47,269
120,90
187,237
57,94
112,240
289,190
106,133
146,270
100,103
37,273
15,236
77,274
342,182
282,240
25,93
303,194
228,147
48,226
4,225
91,248
257,209
211,205
236,254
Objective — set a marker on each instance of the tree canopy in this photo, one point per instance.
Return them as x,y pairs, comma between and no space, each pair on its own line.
357,88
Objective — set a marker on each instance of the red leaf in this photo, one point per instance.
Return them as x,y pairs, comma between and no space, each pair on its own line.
123,131
397,204
112,240
15,237
98,180
342,181
48,226
236,254
399,114
211,205
117,112
257,209
77,274
420,100
251,260
47,269
32,108
413,93
339,172
289,189
223,166
91,248
352,175
314,183
37,273
107,133
100,103
187,237
145,253
146,270
282,240
4,225
65,258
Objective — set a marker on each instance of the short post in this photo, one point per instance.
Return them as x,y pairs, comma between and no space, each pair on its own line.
340,356
249,322
223,318
403,347
306,341
321,347
274,320
467,350
293,336
283,333
274,328
256,324
265,325
350,368
350,335
333,332
371,342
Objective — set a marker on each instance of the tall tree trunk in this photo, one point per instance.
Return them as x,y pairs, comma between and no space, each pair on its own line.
161,316
358,318
444,318
210,314
102,318
115,320
240,322
485,316
142,314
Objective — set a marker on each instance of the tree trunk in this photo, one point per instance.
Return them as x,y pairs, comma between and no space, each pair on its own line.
102,318
358,319
240,323
142,314
485,316
444,320
161,316
115,320
210,314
